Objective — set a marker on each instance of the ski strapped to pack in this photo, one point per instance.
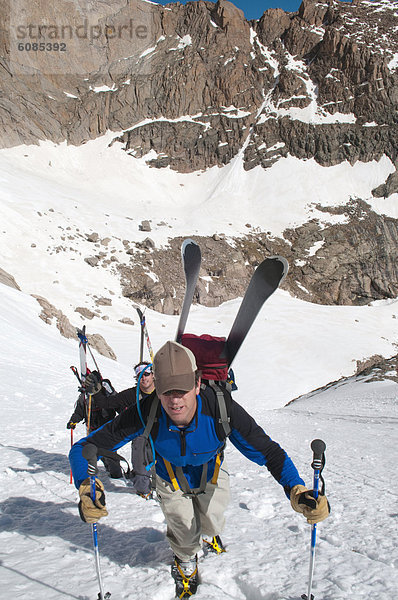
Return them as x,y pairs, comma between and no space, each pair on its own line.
144,335
191,261
264,282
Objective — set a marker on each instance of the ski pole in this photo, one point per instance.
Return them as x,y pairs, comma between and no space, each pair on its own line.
90,454
144,334
89,414
318,448
75,372
93,357
71,444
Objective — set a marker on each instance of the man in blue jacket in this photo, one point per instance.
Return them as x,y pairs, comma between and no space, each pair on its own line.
192,481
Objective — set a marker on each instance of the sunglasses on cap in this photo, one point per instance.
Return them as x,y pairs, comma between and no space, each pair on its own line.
144,369
147,373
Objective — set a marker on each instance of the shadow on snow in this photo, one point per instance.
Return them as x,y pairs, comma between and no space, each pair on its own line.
138,547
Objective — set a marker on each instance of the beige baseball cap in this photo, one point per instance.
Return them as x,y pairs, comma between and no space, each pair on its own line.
174,368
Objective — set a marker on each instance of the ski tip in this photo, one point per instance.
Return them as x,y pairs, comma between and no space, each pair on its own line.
139,311
284,262
189,243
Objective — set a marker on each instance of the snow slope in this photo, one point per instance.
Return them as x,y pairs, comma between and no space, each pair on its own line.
46,551
52,196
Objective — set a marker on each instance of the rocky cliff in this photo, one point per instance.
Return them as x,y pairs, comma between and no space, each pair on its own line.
200,80
189,87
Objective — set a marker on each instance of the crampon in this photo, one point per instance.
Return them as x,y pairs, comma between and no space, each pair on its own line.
185,575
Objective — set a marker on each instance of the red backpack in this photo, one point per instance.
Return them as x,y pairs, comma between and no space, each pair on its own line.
210,355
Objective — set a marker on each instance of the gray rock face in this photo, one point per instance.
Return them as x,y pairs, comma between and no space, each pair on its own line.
192,89
352,264
355,263
388,188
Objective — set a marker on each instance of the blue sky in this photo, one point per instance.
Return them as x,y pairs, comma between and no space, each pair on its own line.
254,9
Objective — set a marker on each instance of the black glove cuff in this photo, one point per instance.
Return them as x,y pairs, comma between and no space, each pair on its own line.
100,500
307,499
81,512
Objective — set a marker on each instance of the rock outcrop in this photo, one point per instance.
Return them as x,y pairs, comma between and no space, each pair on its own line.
375,368
350,263
49,312
8,279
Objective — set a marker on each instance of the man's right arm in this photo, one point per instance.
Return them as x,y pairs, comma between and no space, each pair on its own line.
111,436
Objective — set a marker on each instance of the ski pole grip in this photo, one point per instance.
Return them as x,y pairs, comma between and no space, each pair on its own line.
318,448
89,452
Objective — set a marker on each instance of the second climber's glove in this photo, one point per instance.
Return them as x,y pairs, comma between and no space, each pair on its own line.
303,501
93,383
90,511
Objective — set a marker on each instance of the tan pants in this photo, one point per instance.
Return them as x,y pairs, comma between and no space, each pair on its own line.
189,518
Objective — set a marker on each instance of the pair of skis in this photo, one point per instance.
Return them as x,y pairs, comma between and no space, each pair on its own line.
83,343
265,280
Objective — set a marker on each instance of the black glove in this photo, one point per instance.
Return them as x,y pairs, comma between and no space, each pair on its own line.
93,383
70,425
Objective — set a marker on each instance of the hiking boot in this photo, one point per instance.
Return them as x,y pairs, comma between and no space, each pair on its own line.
213,544
185,574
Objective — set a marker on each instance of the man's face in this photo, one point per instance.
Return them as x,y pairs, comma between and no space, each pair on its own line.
180,406
147,384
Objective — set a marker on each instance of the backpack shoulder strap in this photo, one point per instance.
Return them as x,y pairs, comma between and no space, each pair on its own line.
224,419
151,418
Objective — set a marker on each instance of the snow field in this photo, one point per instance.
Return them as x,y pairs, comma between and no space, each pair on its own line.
46,550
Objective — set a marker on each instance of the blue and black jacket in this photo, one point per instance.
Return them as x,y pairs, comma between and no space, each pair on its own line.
193,446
